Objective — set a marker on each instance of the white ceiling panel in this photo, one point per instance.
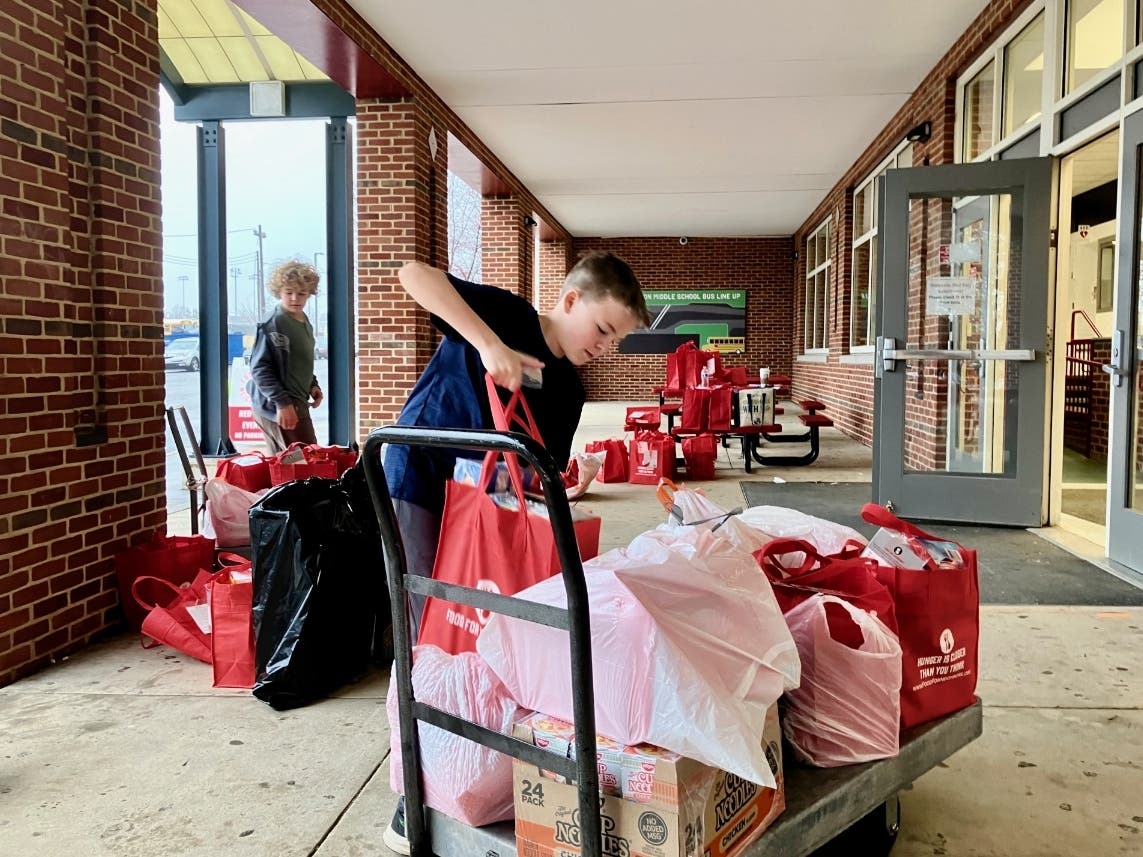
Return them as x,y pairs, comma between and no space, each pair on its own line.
674,117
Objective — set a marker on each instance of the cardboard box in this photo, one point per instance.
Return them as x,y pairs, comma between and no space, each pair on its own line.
693,811
890,547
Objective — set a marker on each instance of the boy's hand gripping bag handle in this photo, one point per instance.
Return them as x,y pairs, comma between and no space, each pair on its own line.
503,417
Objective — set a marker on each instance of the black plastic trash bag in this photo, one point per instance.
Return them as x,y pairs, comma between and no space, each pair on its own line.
320,597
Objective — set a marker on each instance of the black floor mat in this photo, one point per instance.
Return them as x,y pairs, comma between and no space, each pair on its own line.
1016,567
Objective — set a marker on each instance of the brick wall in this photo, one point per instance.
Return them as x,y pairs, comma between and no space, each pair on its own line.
402,216
554,262
763,266
848,388
506,245
81,312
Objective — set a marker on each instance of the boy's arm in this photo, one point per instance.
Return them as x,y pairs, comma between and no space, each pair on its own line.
430,288
268,382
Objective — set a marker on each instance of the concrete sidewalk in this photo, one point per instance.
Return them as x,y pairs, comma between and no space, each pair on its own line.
125,752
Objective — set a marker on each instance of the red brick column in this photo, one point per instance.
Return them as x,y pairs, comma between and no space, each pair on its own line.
82,463
402,217
506,245
554,262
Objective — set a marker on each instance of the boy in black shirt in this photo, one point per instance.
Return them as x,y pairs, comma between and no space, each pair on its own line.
493,330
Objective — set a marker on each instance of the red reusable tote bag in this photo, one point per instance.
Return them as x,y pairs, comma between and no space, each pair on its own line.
846,575
487,546
175,559
614,460
683,367
232,624
938,620
171,624
718,415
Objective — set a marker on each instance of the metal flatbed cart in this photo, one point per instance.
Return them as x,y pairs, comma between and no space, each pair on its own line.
821,804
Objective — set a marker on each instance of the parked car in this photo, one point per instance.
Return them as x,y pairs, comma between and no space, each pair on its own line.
183,354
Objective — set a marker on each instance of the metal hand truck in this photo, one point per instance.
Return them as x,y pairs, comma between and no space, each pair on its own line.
575,620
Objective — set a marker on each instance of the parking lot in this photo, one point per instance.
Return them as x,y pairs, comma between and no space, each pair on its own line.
183,389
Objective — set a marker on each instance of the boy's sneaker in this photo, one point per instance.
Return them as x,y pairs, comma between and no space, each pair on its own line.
394,835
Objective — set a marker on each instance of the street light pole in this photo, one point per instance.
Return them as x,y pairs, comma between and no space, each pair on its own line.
183,283
317,303
259,234
232,308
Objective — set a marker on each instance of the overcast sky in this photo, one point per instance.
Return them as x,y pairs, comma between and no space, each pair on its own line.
275,178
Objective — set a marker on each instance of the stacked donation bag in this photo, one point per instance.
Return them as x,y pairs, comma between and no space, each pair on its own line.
712,638
305,613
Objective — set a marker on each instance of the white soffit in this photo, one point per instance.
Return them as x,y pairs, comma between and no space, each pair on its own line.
674,118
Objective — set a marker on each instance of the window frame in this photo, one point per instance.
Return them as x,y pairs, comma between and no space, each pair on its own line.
810,344
995,53
891,161
1053,99
1105,288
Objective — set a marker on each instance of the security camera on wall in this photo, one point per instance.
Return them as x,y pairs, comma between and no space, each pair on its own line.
683,241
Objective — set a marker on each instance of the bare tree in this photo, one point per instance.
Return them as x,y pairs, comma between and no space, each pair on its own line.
464,203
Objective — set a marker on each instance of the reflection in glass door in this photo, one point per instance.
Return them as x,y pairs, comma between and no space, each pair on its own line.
961,400
977,396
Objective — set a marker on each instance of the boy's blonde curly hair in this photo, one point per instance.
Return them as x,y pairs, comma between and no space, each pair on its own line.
299,275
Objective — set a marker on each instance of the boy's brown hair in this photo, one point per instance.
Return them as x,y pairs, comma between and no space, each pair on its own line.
301,275
598,275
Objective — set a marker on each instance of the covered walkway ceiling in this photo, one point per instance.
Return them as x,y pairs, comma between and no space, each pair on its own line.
672,117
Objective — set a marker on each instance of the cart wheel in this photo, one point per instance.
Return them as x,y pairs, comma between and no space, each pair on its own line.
873,835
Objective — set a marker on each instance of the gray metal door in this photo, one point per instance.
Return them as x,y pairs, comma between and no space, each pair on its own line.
959,389
1125,444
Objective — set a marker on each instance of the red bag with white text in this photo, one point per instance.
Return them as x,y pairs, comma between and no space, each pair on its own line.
652,457
938,620
498,543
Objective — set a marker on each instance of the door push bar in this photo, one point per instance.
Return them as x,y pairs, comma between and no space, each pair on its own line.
1117,368
888,354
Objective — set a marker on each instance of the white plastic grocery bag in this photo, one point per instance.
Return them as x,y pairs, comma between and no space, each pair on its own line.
689,648
848,707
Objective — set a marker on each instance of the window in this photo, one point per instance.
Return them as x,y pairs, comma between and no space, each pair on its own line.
1023,76
1094,39
1106,288
976,120
817,289
863,274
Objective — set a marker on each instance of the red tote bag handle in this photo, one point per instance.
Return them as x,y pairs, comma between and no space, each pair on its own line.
767,554
504,417
882,517
767,557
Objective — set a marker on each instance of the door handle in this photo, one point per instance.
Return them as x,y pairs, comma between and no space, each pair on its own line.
888,354
1117,368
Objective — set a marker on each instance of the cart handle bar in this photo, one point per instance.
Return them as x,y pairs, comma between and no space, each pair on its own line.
576,619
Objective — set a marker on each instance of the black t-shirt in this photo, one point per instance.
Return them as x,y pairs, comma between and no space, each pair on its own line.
451,393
